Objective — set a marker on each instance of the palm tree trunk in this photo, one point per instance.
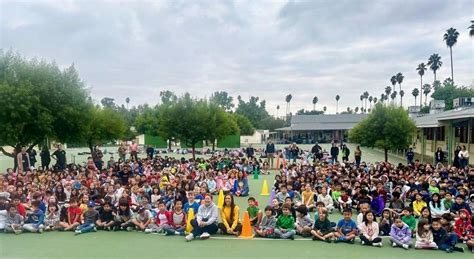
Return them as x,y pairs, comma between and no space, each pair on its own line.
452,73
314,106
415,100
434,71
337,107
421,91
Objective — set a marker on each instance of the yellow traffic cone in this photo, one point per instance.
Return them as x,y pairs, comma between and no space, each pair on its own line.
265,188
246,228
189,227
220,199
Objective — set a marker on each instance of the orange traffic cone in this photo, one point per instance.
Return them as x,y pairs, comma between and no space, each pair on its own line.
264,188
220,199
189,227
246,228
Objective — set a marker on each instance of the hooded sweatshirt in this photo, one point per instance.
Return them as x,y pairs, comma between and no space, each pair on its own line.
268,223
207,214
401,234
463,227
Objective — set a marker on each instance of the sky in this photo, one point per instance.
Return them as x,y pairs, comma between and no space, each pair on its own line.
249,48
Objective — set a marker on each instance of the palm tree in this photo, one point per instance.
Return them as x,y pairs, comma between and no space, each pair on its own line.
421,71
362,99
415,93
315,101
337,103
325,109
451,37
370,100
127,100
288,100
348,110
402,93
366,96
382,97
278,108
471,29
356,109
393,80
393,96
400,78
388,90
375,100
435,63
426,91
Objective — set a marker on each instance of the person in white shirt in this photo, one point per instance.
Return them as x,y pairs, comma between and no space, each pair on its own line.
463,157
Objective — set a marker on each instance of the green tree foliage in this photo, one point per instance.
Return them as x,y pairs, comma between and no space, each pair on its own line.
306,112
147,120
168,96
40,101
245,126
253,109
223,100
108,102
387,128
219,123
448,92
104,125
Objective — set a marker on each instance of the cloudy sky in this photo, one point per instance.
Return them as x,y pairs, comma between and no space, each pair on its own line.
263,48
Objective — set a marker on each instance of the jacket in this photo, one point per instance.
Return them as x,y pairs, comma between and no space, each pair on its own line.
439,236
305,221
268,223
400,234
463,228
207,214
369,231
285,222
168,217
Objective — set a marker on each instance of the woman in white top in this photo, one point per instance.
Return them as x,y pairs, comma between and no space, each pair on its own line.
463,157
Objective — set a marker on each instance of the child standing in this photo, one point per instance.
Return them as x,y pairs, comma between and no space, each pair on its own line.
322,229
400,234
285,225
35,219
267,225
424,236
346,230
90,217
369,231
303,221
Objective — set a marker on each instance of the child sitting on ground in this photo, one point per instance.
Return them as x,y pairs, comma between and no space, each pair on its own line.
142,218
51,221
346,230
285,225
400,234
364,208
463,227
303,221
424,236
162,219
35,219
267,225
440,237
178,222
106,217
90,217
14,221
408,219
386,222
254,212
74,216
322,229
369,231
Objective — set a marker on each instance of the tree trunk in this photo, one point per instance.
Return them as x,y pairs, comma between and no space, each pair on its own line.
194,153
452,73
169,144
6,153
213,145
386,154
421,91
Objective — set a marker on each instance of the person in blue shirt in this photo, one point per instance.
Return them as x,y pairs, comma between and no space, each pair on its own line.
191,204
35,219
410,156
241,186
459,204
346,230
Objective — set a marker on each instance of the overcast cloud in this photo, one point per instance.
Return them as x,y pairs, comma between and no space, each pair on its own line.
263,48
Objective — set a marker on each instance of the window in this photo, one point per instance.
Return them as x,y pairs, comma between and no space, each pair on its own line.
440,133
429,133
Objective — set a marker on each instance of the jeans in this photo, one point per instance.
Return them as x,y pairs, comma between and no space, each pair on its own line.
357,158
368,242
197,230
84,228
400,242
286,235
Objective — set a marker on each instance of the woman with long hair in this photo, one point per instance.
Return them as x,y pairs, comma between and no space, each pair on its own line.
230,217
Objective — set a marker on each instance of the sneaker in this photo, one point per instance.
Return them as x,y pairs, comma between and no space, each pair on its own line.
405,246
362,242
40,230
77,232
352,241
189,237
148,230
204,235
314,238
292,237
449,250
95,229
177,233
458,249
129,228
377,244
169,232
17,231
394,244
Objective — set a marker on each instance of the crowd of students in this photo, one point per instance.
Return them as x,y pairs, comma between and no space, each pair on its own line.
415,205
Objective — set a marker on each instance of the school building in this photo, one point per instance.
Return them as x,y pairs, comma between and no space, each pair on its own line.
307,129
447,130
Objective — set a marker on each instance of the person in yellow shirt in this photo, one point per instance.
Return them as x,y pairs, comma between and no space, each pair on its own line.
418,205
307,197
230,217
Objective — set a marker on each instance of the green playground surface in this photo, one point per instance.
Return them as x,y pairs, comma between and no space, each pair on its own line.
104,244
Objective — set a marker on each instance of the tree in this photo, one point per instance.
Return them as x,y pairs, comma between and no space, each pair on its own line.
393,96
337,103
400,78
451,38
426,91
245,126
168,96
421,71
105,125
39,101
127,100
253,109
362,99
435,63
382,97
108,102
288,101
388,90
393,80
219,124
278,108
370,101
471,29
305,112
223,100
415,92
315,101
448,92
402,93
386,127
366,96
375,101
325,108
356,109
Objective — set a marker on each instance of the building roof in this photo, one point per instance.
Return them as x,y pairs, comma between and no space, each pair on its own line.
434,120
324,122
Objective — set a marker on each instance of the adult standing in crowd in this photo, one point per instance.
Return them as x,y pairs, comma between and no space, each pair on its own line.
463,157
45,157
317,152
334,153
32,154
60,156
122,150
270,152
150,151
345,153
205,223
23,161
410,156
357,155
294,152
133,148
456,159
439,156
250,151
97,156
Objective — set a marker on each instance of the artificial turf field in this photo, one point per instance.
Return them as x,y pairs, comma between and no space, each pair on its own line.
139,245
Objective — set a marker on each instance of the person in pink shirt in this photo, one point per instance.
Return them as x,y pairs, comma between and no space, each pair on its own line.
133,148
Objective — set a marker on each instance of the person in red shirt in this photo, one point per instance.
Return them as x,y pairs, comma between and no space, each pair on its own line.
74,215
17,202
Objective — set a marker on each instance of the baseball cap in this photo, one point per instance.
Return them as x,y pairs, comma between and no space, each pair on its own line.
91,204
